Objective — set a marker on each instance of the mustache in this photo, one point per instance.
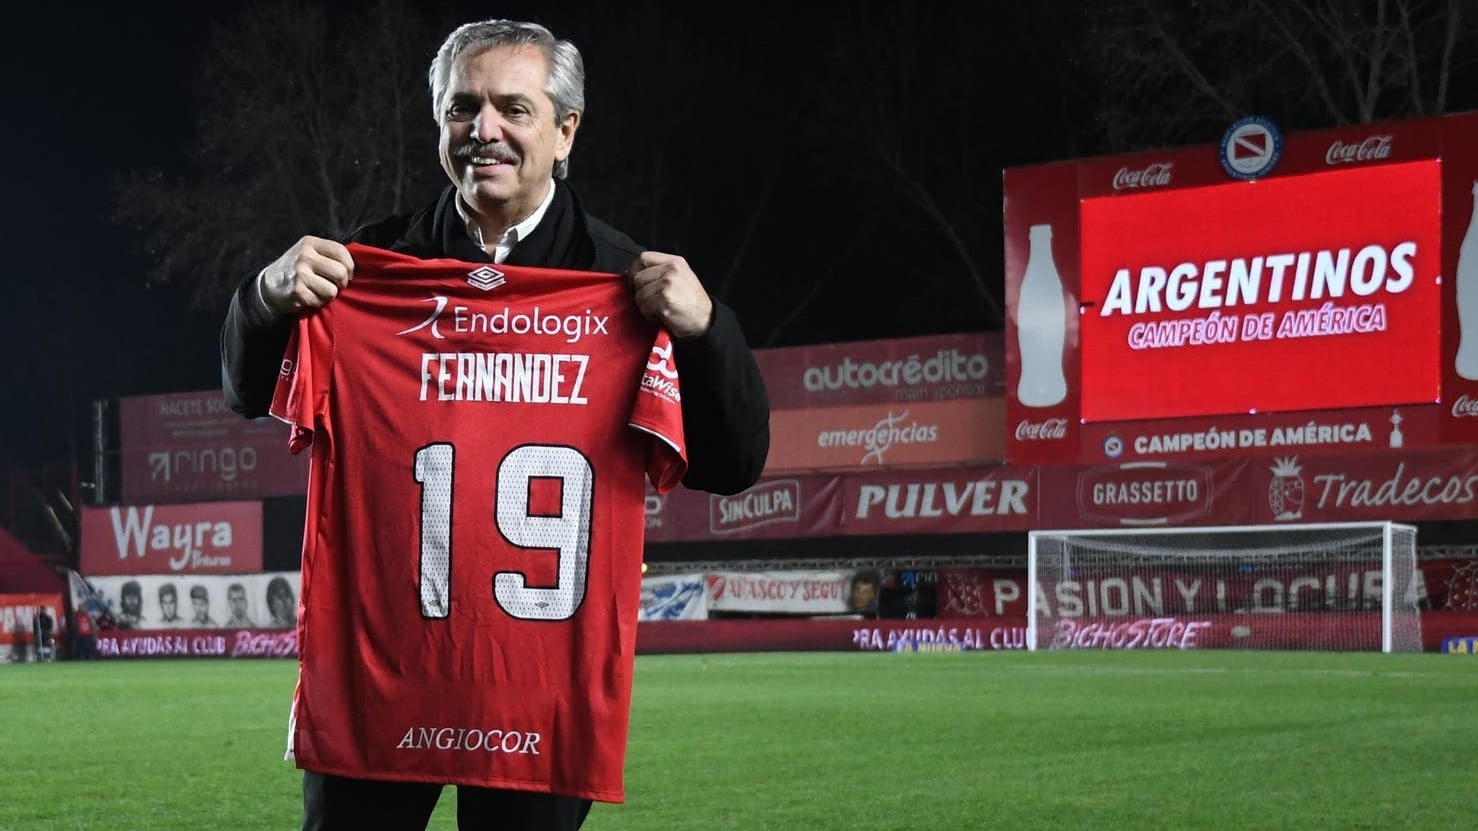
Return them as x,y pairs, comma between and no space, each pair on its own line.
489,150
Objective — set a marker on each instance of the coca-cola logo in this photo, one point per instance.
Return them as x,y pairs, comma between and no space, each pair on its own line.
1464,407
1144,493
1370,149
768,502
1051,429
1155,175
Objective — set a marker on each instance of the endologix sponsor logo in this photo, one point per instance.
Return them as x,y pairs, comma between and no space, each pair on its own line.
1153,176
1372,148
875,441
952,373
763,504
465,320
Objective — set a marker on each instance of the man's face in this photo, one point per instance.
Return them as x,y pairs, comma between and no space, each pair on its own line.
281,604
237,599
133,603
499,141
863,594
168,603
202,607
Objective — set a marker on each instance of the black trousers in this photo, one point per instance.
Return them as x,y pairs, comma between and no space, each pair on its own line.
334,803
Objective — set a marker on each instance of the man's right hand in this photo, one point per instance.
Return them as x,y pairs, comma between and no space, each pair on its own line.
306,276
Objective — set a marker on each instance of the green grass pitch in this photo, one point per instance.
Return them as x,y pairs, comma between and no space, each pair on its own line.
872,742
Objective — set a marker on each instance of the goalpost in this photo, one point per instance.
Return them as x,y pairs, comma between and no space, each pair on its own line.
1326,586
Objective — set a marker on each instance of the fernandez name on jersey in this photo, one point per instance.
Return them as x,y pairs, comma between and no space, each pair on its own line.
481,439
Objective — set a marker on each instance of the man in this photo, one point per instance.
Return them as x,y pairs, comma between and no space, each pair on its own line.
280,604
864,594
169,606
131,605
200,601
84,636
508,98
42,629
236,599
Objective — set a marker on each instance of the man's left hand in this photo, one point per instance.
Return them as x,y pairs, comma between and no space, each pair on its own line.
670,294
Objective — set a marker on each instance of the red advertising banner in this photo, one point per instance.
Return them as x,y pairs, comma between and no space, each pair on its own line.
189,446
1414,486
1460,259
1154,298
189,538
17,621
962,431
777,508
896,371
1208,437
1262,297
940,501
1134,494
1042,352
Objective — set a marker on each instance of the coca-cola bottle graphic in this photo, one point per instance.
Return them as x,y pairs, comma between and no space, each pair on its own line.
1041,325
1467,297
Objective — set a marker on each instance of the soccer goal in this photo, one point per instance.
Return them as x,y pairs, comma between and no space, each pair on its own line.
1329,586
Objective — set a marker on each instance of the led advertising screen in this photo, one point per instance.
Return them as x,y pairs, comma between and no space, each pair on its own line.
1307,292
1270,292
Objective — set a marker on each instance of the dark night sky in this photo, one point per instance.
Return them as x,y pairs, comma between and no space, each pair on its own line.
98,93
90,94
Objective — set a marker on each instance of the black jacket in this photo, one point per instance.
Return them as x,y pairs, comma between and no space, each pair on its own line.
726,413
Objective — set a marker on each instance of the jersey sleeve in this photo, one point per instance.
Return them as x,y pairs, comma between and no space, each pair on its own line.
295,400
658,412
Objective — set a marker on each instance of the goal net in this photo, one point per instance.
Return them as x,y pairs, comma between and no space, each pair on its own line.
1334,586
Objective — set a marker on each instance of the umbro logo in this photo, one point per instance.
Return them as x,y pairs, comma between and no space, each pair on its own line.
486,278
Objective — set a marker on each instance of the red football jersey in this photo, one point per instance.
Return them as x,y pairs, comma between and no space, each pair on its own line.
472,553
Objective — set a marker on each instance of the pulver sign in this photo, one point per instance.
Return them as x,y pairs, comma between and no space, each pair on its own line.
1299,293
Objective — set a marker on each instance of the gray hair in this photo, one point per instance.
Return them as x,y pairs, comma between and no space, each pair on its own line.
565,85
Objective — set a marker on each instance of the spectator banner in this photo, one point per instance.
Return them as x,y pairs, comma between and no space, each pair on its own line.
212,601
189,446
198,643
1441,585
1286,315
673,597
969,430
896,371
776,508
187,538
940,501
829,636
789,592
17,624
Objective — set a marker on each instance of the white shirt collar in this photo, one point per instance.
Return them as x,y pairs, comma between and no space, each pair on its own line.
510,237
